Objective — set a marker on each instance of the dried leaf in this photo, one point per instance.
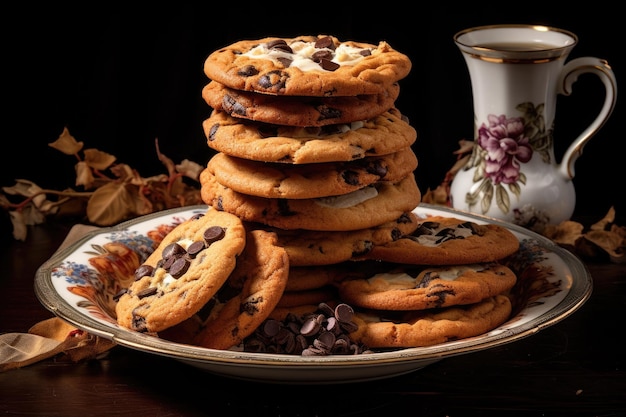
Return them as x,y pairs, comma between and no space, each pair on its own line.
66,143
607,220
27,189
19,225
465,147
190,169
98,160
610,242
84,176
169,164
110,204
21,349
565,233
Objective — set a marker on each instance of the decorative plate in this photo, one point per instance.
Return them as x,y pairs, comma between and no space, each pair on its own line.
79,282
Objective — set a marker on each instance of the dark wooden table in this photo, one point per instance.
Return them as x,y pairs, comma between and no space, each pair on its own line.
574,368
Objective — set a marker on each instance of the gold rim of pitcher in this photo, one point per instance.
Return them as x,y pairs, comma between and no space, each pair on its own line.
556,52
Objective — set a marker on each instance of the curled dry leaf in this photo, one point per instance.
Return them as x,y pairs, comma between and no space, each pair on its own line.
112,193
98,160
66,143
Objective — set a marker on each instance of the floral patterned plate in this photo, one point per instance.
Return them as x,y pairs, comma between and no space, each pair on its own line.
79,282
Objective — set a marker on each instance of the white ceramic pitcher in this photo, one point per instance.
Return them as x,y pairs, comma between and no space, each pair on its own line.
516,72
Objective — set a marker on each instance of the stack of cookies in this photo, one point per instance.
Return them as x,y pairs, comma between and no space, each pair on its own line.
311,146
313,182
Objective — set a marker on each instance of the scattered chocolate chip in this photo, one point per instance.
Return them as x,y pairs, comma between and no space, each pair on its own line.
324,332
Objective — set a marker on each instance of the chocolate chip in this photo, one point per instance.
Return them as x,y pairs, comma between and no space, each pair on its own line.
310,327
365,52
213,131
319,55
247,71
232,106
317,334
142,271
328,113
173,250
344,313
179,267
167,263
329,65
121,292
279,44
273,81
195,248
325,42
350,177
285,61
377,167
147,292
213,234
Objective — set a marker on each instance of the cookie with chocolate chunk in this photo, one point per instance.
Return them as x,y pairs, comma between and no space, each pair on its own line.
250,294
367,207
188,267
298,181
298,110
384,134
321,66
316,248
441,240
406,288
406,329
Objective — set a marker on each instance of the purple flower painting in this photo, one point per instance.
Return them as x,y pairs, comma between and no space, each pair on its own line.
502,146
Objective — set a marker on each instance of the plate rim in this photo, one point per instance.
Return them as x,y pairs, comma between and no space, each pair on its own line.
411,357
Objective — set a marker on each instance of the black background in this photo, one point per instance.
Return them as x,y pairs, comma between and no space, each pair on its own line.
119,78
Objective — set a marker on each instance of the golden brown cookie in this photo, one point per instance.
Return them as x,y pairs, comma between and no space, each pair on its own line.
183,273
312,247
252,292
441,240
296,181
406,288
368,207
385,134
320,66
298,110
430,327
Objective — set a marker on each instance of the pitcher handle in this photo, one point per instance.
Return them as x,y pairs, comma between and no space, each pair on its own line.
568,77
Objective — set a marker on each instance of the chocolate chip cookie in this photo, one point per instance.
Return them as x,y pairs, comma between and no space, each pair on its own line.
298,110
387,133
320,66
187,268
298,181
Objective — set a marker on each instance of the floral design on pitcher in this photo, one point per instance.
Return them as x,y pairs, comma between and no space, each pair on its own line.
502,145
